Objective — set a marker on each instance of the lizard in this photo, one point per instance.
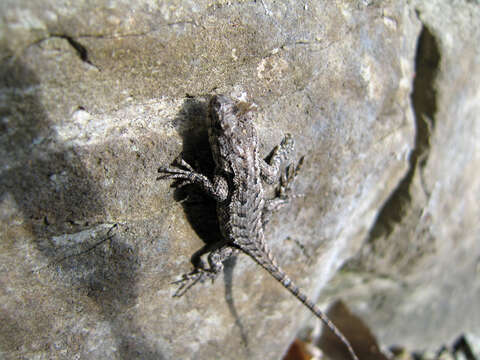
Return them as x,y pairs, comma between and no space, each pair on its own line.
237,186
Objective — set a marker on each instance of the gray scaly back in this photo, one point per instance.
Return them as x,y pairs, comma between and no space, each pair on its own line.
237,186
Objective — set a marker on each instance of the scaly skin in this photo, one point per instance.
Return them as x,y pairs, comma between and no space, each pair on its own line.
237,186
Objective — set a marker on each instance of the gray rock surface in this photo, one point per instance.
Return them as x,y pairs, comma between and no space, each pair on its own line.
416,279
93,99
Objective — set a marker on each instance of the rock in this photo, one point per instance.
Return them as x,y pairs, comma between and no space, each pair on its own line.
95,98
415,281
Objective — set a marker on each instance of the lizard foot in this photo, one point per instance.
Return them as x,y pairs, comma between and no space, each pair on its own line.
183,172
287,179
190,279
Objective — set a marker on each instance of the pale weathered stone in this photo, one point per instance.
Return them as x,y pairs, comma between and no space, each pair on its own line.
416,280
94,98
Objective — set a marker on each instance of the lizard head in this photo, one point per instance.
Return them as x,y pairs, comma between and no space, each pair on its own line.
230,129
222,116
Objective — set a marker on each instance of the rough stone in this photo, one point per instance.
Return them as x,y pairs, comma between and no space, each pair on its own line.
415,281
95,96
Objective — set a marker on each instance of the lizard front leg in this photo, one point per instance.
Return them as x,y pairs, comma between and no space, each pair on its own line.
218,189
283,192
270,171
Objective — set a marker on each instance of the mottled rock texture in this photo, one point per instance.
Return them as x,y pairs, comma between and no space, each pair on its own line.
416,279
95,96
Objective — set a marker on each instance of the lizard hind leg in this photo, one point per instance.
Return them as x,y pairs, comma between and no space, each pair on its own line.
216,258
187,281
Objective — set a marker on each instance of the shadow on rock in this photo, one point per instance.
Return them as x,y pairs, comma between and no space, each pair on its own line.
200,208
62,205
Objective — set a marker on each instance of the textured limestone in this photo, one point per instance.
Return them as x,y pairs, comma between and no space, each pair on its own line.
415,281
94,97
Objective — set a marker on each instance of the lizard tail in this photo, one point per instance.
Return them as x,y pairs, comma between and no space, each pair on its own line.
266,260
299,294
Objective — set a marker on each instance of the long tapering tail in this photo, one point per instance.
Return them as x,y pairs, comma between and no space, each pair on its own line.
265,259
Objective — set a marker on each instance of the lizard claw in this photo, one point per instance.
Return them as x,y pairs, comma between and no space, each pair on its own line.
182,163
288,178
287,143
188,280
182,172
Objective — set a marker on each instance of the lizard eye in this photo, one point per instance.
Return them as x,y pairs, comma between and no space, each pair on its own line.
215,105
218,125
